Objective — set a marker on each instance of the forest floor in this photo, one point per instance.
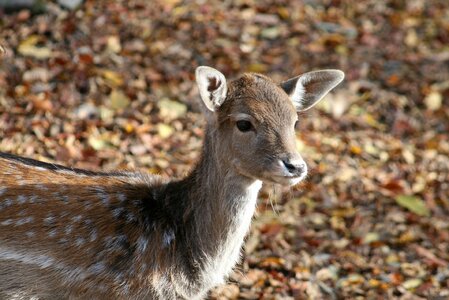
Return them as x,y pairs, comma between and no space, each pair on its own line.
111,86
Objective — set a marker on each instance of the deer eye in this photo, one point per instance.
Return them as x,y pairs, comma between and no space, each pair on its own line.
244,125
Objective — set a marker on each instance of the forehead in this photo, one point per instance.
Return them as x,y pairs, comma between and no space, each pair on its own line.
259,97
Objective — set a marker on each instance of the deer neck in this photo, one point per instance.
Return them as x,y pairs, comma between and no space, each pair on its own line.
222,203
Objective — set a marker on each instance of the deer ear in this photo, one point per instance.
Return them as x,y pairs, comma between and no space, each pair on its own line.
309,88
212,86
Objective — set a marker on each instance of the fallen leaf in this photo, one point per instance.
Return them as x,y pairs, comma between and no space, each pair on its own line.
28,48
272,262
434,100
113,78
138,149
118,100
270,33
414,204
113,44
2,50
97,142
86,111
408,156
412,283
171,109
371,237
164,130
411,39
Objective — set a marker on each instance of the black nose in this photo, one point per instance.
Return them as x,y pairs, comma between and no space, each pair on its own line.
295,168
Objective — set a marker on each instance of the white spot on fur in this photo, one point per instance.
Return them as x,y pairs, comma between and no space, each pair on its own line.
50,219
116,212
142,243
168,237
121,197
41,187
97,268
102,195
125,289
6,203
79,242
105,199
7,222
76,218
130,217
115,242
30,233
33,199
93,235
65,199
68,229
24,221
21,199
52,233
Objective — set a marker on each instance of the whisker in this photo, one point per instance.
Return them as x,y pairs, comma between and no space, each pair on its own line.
273,194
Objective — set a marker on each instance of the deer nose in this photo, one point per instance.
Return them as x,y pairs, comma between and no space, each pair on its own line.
294,166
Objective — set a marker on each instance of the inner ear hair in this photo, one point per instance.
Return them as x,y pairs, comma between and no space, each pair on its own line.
214,84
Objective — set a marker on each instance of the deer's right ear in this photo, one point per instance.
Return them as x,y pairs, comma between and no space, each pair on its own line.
212,86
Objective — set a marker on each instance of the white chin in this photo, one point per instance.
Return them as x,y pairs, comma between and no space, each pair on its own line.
283,180
296,180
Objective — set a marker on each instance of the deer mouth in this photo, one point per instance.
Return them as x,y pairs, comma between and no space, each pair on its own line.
284,180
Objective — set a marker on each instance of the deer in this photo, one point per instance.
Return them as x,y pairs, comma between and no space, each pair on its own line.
68,233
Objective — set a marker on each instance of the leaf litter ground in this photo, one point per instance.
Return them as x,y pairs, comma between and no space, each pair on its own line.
111,86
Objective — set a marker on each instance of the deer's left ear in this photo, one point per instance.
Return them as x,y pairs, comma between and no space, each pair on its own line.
308,89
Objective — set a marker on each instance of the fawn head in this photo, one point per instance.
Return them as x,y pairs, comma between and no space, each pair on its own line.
255,119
